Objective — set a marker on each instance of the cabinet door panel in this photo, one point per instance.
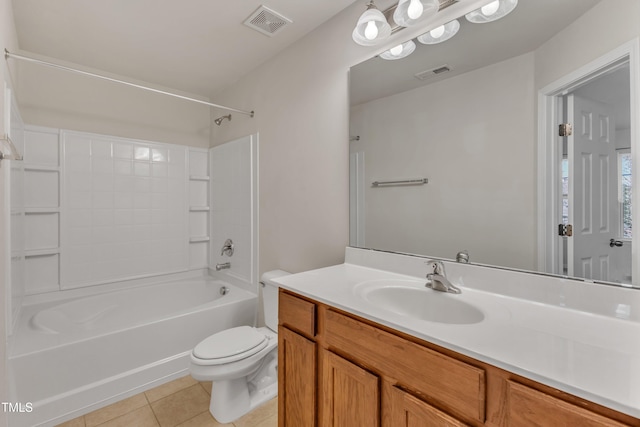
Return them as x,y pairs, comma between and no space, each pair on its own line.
297,380
351,395
529,408
409,411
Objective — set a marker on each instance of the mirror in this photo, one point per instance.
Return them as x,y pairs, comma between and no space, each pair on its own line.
459,122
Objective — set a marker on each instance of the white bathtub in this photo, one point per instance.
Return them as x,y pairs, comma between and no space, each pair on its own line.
72,356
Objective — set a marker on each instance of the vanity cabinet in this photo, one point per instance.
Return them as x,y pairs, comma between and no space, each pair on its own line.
350,394
297,362
339,370
525,403
406,410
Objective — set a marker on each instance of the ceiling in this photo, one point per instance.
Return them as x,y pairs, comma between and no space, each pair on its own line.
195,46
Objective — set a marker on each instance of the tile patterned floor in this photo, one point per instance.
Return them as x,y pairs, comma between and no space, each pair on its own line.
180,403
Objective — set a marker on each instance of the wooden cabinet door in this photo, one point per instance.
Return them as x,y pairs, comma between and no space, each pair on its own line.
350,394
297,380
401,409
532,408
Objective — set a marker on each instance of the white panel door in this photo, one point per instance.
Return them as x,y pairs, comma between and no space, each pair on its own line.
592,188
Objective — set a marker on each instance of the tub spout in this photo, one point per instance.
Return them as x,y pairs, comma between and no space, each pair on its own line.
223,266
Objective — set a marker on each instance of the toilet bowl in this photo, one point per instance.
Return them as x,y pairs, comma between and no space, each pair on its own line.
241,362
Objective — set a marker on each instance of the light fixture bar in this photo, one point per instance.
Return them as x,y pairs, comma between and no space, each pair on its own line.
388,13
8,55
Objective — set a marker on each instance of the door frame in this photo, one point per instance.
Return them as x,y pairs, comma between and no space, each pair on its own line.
549,154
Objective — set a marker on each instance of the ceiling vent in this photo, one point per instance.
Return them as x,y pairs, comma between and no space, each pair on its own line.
266,21
424,75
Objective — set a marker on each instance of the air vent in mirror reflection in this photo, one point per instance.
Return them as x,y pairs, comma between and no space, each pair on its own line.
427,74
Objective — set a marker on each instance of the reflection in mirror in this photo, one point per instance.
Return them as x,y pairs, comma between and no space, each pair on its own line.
472,134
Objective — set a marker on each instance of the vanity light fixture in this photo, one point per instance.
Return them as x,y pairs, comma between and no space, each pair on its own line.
441,33
372,27
398,52
492,11
411,12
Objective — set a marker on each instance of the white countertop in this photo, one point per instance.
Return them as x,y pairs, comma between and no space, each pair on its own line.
589,355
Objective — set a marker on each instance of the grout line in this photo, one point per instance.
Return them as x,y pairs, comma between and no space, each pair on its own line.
154,415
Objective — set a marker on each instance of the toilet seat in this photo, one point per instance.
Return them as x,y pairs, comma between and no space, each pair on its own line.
230,345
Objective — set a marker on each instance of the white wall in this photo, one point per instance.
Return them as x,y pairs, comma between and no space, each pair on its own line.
604,27
59,99
475,144
124,209
233,210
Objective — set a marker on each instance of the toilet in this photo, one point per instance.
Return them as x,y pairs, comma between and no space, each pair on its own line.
242,362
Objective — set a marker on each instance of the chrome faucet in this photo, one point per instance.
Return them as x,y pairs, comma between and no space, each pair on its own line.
227,248
463,256
438,280
223,266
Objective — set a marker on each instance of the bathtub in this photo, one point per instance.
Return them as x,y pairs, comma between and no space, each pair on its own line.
69,357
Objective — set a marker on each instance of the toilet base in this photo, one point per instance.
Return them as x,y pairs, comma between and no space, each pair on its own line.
231,399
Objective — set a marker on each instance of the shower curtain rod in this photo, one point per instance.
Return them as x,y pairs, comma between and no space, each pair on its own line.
8,55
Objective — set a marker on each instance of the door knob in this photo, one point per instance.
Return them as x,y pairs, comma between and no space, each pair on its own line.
614,242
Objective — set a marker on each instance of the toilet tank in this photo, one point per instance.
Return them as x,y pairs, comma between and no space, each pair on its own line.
270,297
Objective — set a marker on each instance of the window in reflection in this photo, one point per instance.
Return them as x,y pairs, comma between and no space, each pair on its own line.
624,179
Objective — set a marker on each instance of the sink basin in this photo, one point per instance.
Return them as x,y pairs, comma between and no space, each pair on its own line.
413,299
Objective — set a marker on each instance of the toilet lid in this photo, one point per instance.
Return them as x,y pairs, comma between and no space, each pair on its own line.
231,342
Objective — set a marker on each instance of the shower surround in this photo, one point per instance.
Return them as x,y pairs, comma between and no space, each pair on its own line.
100,225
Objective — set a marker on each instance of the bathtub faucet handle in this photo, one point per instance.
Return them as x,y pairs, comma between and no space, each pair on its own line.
227,248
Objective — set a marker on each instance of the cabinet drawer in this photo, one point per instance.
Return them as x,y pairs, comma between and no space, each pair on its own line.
454,385
297,314
529,407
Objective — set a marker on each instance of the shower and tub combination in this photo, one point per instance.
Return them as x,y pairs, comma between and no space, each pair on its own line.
117,280
79,353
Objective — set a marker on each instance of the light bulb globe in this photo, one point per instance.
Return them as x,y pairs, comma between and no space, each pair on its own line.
371,31
398,52
415,9
372,27
492,11
412,12
491,8
437,32
441,33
